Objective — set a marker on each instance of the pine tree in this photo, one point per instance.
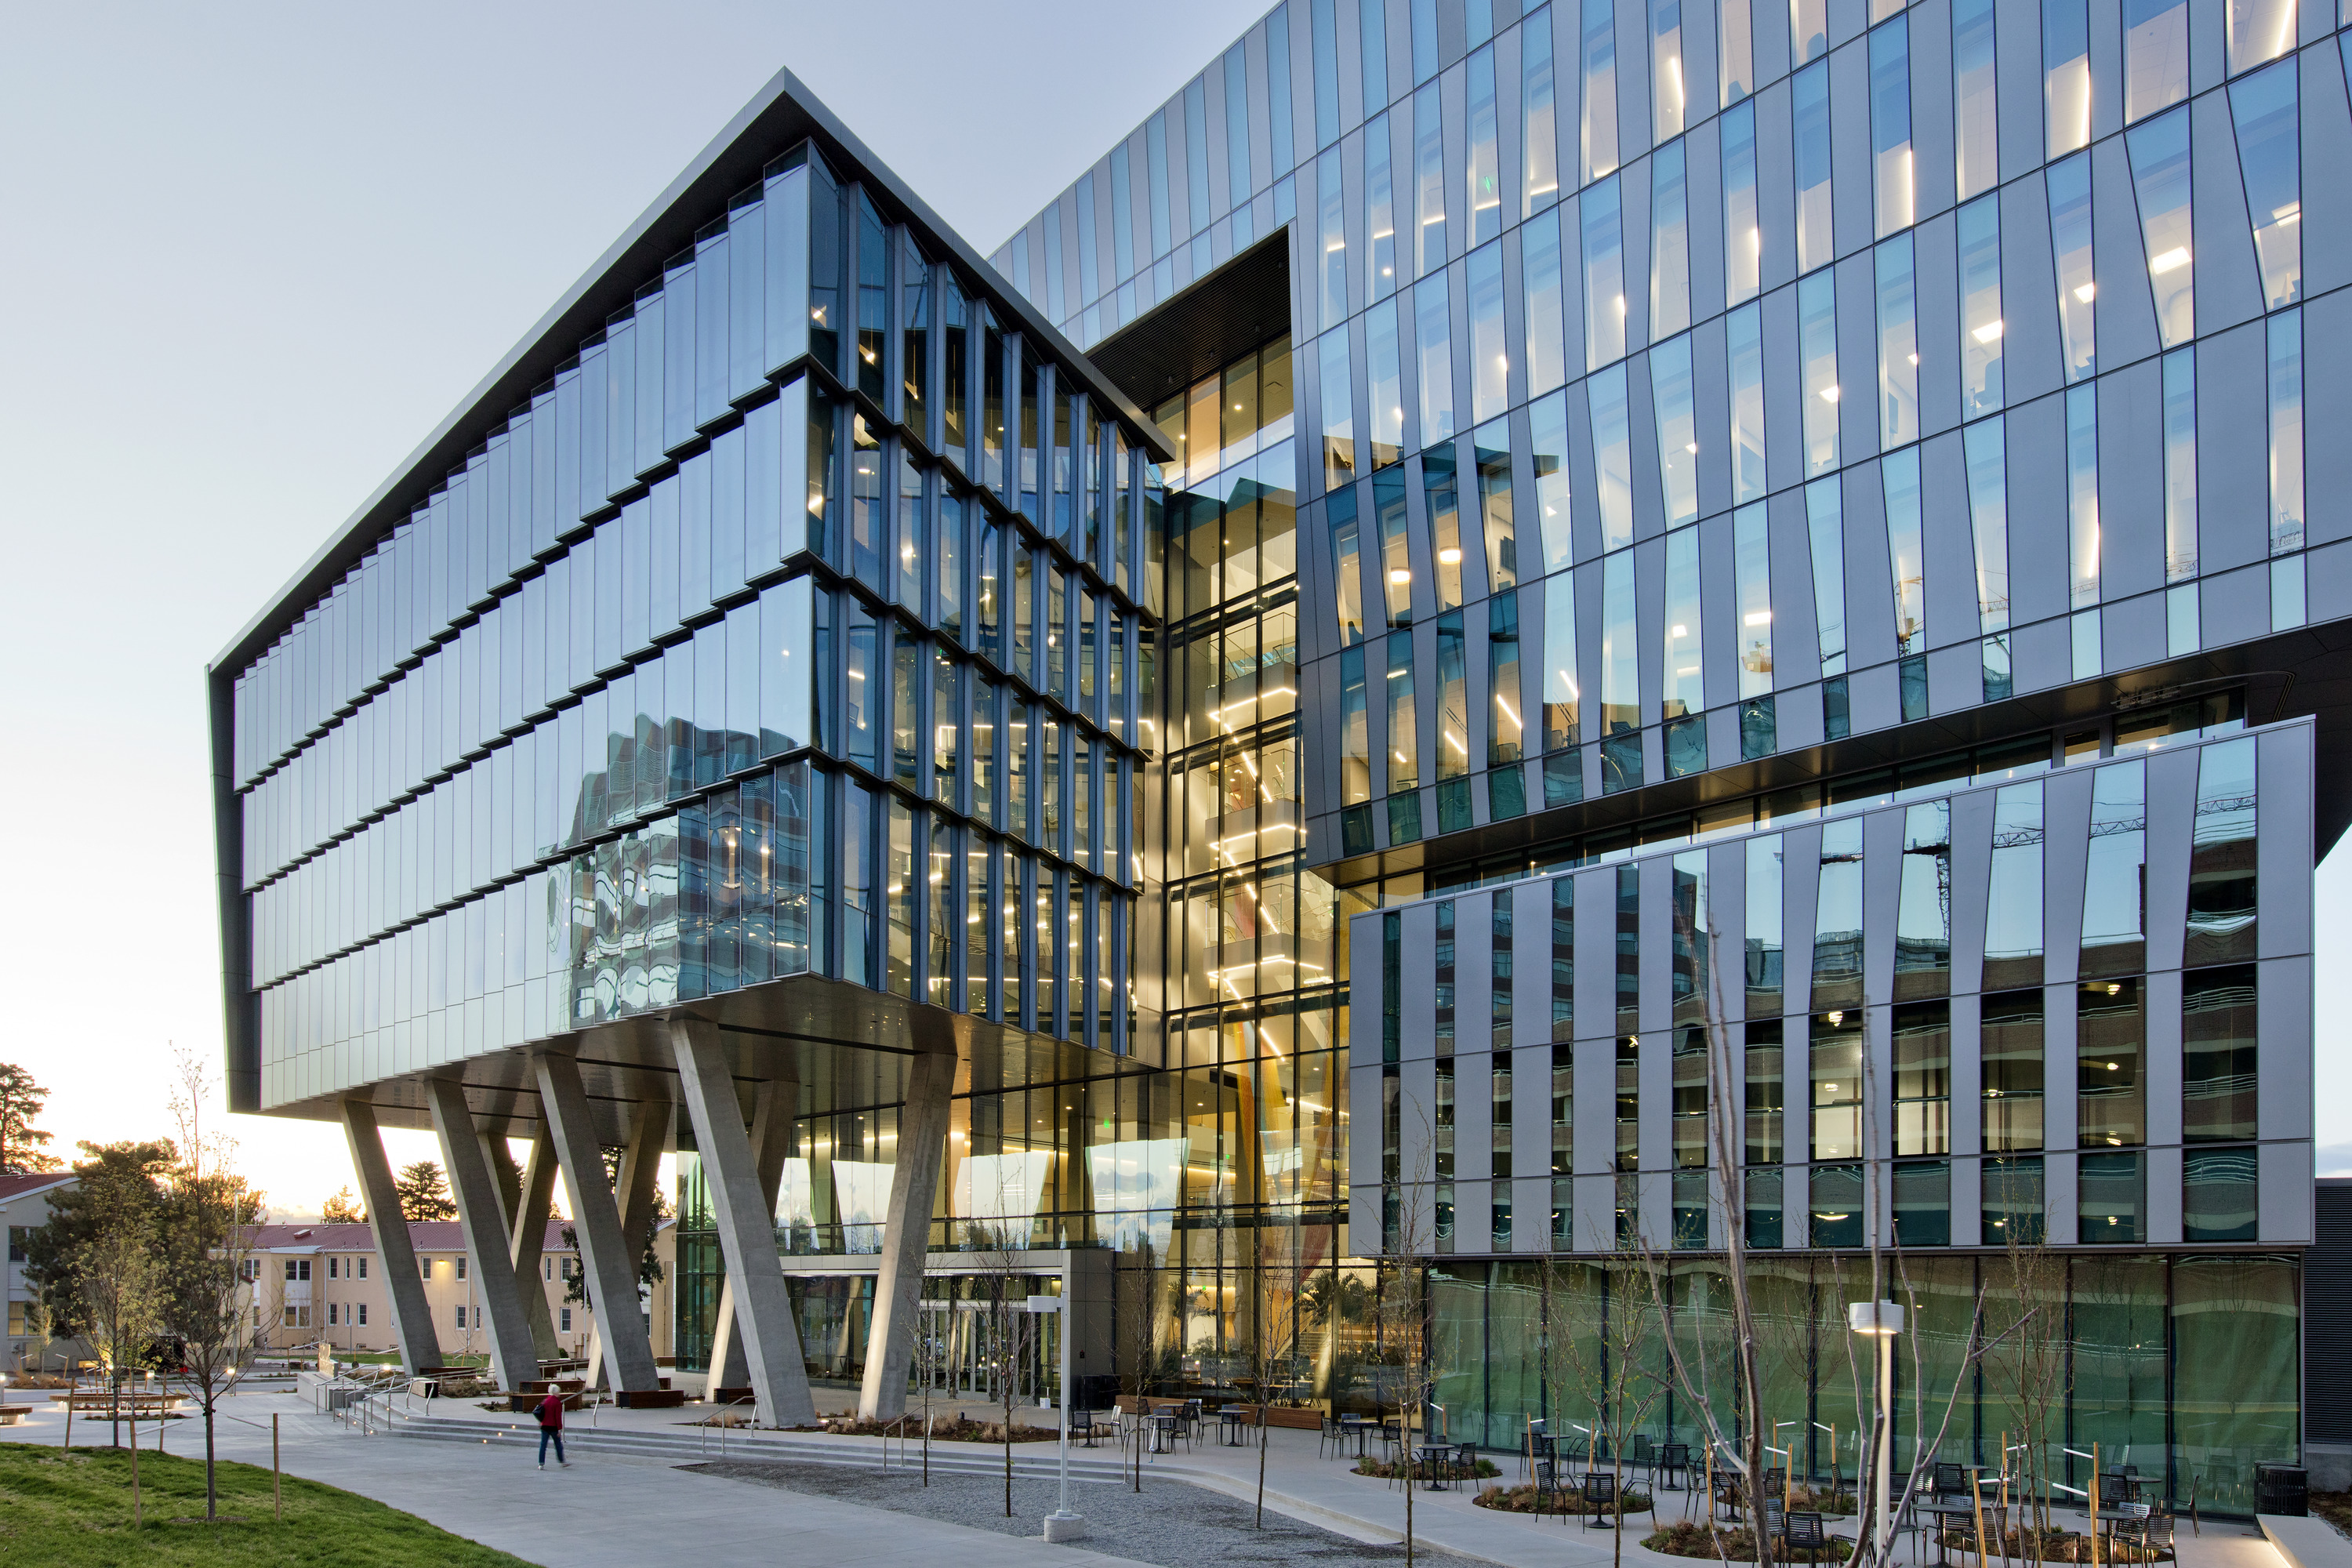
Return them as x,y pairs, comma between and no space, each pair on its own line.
342,1208
21,1100
423,1193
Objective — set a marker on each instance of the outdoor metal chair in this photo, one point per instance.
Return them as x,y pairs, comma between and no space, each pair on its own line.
1642,1455
1674,1459
1599,1500
1951,1481
1802,1531
1329,1437
1547,1485
1776,1517
1465,1461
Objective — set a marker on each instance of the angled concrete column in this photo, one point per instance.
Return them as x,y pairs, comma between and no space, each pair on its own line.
640,1165
514,1359
528,1241
604,1256
906,1235
412,1317
776,1105
747,1228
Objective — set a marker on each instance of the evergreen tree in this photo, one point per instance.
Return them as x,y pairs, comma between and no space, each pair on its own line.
424,1192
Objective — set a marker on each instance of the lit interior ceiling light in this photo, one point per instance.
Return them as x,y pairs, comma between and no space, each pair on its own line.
2086,292
1989,332
1829,394
2177,256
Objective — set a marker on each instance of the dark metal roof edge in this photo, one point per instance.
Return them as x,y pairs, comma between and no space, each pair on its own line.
780,115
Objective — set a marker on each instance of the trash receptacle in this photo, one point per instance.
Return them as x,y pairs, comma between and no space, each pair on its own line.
2283,1489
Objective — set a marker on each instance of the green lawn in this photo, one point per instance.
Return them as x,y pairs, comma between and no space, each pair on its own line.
73,1509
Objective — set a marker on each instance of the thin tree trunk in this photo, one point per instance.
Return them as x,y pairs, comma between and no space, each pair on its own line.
212,1491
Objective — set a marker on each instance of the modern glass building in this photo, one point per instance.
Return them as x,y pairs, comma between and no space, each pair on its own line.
1036,744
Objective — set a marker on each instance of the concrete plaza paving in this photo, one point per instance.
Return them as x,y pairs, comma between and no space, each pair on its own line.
627,1508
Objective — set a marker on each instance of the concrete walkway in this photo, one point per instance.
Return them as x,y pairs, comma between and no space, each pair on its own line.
641,1507
605,1512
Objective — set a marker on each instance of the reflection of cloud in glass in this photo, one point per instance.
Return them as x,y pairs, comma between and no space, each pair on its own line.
1137,1183
1002,1187
861,1192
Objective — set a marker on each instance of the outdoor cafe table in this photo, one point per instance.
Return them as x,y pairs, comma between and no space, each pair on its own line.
1233,1417
1948,1510
1358,1428
1163,1430
1434,1457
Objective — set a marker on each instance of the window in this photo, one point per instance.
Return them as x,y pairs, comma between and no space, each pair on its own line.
461,1267
1817,350
1923,1203
2110,1037
1977,140
362,1312
2219,1195
1540,175
1809,105
2156,55
364,1274
2223,860
1837,920
1837,1206
1428,181
2115,899
2012,1070
1385,379
1743,331
2160,179
1604,275
2012,1201
1546,311
2218,1054
1489,364
333,1314
334,1266
1766,1088
1598,55
1677,428
1982,327
1923,916
565,1324
1613,456
1743,238
1432,341
1890,126
1670,304
1483,200
2264,109
1836,1076
2069,186
2066,75
1765,953
425,1269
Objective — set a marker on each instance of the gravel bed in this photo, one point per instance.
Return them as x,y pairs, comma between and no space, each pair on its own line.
1169,1523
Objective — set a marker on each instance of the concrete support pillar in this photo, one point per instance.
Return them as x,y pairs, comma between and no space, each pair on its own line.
482,1216
777,1103
527,1243
605,1254
906,1234
412,1317
747,1228
640,1166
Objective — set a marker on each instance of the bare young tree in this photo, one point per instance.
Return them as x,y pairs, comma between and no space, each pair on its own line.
121,1286
1142,1315
209,1212
1401,1307
1004,1293
1612,1335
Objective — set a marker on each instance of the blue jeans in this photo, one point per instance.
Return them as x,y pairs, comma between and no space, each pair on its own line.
551,1434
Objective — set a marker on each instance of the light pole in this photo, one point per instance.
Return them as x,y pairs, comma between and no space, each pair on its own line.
1061,1524
1881,1321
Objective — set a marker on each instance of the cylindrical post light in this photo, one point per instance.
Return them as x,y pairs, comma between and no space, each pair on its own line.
1881,1321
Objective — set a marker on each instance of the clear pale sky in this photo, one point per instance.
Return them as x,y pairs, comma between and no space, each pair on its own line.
253,254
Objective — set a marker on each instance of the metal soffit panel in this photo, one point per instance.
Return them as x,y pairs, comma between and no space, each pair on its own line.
846,1046
1205,326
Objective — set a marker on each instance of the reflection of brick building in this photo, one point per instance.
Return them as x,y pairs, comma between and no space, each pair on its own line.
315,1282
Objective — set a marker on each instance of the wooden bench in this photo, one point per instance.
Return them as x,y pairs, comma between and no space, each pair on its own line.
13,1415
1292,1419
651,1398
146,1406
